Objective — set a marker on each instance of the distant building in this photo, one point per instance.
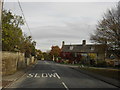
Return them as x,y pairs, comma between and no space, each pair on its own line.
77,52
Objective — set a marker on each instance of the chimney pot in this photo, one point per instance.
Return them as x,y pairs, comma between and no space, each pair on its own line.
84,42
63,43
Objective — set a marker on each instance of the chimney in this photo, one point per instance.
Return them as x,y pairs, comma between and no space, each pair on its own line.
63,43
84,42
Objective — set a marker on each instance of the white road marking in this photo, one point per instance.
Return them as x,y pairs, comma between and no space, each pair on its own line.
44,75
30,75
51,75
36,75
65,85
57,76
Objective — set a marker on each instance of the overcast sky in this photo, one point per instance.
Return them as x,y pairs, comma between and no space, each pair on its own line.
54,22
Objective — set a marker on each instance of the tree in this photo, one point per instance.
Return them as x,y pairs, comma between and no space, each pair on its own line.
46,56
12,36
11,33
55,51
28,46
39,54
108,30
33,50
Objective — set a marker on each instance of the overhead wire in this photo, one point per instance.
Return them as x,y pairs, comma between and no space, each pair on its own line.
24,17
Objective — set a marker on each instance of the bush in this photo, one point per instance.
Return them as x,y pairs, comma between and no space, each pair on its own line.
66,61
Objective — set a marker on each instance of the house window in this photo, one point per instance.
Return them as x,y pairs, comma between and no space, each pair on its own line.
75,54
92,48
71,47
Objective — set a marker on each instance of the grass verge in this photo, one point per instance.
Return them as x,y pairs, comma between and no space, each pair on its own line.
111,73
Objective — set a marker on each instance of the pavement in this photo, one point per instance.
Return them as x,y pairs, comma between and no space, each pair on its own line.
9,79
48,74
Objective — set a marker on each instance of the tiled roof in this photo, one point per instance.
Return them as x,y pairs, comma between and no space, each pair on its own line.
80,48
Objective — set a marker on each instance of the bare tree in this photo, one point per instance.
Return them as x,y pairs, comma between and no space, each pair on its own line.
108,30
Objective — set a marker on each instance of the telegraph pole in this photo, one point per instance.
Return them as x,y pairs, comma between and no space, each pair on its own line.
1,6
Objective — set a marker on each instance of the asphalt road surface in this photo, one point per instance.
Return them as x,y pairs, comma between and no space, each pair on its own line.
48,74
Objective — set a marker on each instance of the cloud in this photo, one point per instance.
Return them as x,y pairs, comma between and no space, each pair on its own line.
54,22
64,1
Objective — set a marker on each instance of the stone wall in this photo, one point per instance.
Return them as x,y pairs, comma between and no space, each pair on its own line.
21,61
11,62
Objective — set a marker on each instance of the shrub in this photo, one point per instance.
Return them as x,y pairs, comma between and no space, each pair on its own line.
66,61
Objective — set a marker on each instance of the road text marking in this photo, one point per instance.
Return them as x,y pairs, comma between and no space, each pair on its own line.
36,75
43,75
52,75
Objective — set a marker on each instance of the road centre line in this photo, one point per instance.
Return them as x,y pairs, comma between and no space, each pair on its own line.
65,85
62,82
57,76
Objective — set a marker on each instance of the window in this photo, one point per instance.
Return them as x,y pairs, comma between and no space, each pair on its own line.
71,47
92,48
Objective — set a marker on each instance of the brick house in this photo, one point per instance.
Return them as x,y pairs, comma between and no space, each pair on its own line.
77,52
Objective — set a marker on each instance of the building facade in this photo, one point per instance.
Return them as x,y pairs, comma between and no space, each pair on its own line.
76,53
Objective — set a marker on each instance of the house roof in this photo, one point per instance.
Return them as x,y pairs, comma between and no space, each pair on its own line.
81,48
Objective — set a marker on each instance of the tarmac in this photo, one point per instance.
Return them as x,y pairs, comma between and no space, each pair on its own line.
100,77
9,79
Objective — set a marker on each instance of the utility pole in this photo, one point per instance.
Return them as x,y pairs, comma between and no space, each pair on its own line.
1,8
0,14
1,5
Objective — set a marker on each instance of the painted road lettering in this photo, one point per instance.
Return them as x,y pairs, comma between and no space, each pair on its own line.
52,75
30,75
36,75
43,75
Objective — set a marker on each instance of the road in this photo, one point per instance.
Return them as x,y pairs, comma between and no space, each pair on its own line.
48,74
